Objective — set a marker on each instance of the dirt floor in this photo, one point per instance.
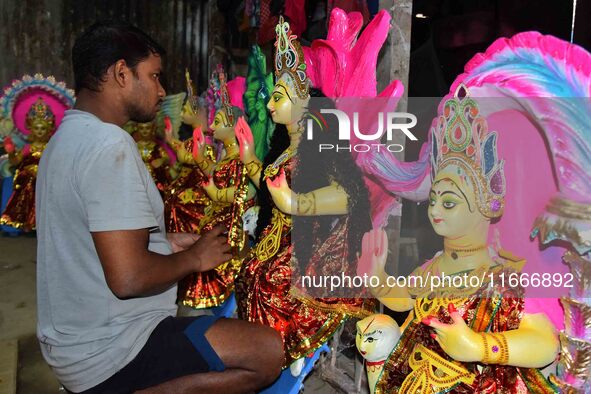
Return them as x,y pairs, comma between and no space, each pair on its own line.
18,319
18,314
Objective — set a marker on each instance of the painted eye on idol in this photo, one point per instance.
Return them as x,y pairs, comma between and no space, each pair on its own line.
449,204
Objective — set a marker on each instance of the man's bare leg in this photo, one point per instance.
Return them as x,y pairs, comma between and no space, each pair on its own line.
252,353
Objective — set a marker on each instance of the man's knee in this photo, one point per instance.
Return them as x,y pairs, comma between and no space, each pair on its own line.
250,346
273,356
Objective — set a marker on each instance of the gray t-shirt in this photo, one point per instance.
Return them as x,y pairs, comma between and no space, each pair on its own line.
91,178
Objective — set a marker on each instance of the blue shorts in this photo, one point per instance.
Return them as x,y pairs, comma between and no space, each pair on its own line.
177,347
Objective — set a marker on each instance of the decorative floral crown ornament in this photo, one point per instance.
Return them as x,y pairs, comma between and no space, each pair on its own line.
213,95
461,137
39,111
191,92
344,65
23,94
289,59
225,96
171,108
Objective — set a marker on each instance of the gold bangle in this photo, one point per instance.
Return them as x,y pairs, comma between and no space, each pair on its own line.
502,349
253,167
499,349
222,195
486,357
203,164
306,204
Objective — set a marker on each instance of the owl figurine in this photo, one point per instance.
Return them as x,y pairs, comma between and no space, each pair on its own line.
249,220
376,336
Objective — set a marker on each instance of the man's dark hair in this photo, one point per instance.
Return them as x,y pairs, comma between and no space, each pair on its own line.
105,43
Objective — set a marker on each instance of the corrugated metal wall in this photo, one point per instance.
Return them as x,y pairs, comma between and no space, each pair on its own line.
37,35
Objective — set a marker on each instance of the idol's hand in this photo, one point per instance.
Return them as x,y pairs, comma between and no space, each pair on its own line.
198,145
168,129
372,262
157,163
374,252
281,193
245,140
209,186
215,194
458,340
169,138
9,146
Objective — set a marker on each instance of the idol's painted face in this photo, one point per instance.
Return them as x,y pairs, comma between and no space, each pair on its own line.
187,113
452,207
41,130
146,130
285,106
376,337
194,117
221,127
281,103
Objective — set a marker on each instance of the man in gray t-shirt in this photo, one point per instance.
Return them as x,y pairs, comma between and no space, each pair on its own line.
91,179
107,273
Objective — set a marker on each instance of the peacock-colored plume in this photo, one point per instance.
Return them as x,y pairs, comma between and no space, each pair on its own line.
171,107
259,86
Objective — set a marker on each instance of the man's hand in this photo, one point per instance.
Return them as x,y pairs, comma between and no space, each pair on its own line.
210,250
132,270
181,241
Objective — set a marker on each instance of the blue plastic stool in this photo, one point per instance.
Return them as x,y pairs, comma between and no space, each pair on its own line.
227,309
288,384
6,193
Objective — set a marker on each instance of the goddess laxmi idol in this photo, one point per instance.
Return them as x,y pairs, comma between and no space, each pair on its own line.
328,197
185,200
20,210
157,155
36,105
154,155
228,190
471,338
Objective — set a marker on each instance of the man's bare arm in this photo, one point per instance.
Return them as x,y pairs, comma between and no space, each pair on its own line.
131,270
